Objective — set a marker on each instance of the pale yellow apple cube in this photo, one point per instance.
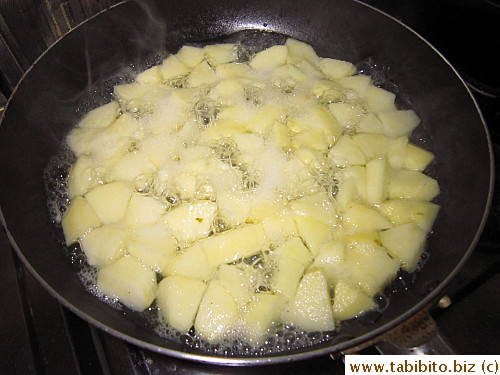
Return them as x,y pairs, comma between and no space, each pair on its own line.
192,262
399,122
130,281
260,315
190,55
151,75
349,302
172,67
78,219
110,201
156,256
313,232
217,313
346,152
298,50
104,245
417,158
403,211
279,227
234,244
287,275
81,176
232,70
379,100
406,243
311,308
294,249
223,53
373,145
335,69
378,173
269,58
359,218
100,117
178,299
143,210
370,267
359,83
413,185
318,206
237,282
190,222
202,74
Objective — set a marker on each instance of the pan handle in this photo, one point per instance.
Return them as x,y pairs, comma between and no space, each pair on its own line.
419,335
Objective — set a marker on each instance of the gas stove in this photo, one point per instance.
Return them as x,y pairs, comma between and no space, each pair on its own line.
39,336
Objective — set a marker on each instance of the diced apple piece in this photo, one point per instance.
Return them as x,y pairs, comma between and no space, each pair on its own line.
413,185
298,50
346,152
232,70
130,281
406,243
360,83
403,211
81,176
179,298
269,58
377,180
359,218
80,140
399,122
110,201
237,282
100,117
279,227
313,232
351,186
318,206
173,67
417,158
330,260
202,74
221,53
348,115
265,117
130,165
287,275
78,219
370,123
227,92
103,245
379,100
295,249
349,301
398,150
189,222
217,313
190,56
311,308
143,210
369,266
192,262
234,208
314,138
373,145
260,315
279,135
234,244
318,117
151,75
335,69
156,256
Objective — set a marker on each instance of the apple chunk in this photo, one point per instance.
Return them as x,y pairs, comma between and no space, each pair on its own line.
179,298
130,281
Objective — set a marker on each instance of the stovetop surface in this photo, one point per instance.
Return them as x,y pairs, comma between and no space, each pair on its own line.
39,336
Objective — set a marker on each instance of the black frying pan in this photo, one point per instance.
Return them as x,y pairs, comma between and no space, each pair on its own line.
42,110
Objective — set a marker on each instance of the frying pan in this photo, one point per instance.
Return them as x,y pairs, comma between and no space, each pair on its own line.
43,107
